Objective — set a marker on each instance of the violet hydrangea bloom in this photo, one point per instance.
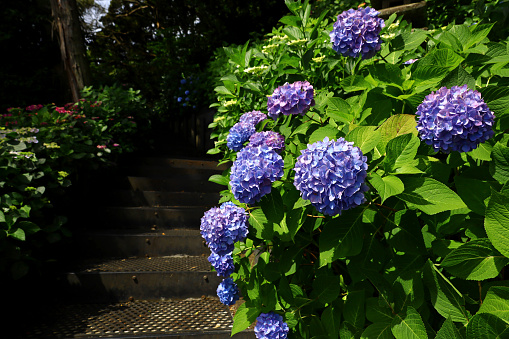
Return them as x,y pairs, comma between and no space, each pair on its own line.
455,119
270,138
331,175
357,32
253,173
223,264
238,134
289,99
271,325
222,226
228,292
253,117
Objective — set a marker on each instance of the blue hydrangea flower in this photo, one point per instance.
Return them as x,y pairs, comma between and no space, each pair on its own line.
253,117
270,326
357,32
223,264
238,134
228,292
270,138
222,226
455,119
410,61
289,99
331,175
253,173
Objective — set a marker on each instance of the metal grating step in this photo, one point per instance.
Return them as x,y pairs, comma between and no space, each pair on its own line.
197,317
109,280
155,264
135,243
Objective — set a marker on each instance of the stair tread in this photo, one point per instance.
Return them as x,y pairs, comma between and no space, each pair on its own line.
174,263
206,317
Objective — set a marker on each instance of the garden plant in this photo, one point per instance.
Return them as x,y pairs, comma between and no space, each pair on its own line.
367,195
43,149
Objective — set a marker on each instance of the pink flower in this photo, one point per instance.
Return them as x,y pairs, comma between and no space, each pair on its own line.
116,145
101,146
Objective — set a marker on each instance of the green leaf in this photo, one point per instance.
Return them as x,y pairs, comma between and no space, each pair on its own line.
341,237
496,302
409,40
448,331
378,331
396,125
19,234
272,206
473,192
401,152
429,195
387,186
353,311
263,228
219,179
459,77
496,222
331,319
291,20
487,326
364,137
244,317
446,299
499,168
326,288
322,132
475,260
408,325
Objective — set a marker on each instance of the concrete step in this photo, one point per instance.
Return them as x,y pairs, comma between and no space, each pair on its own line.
129,198
142,218
196,318
173,163
135,243
124,279
173,184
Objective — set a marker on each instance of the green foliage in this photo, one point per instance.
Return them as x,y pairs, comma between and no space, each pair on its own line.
42,149
424,257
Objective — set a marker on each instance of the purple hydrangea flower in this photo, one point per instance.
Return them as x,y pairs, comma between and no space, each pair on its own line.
270,326
270,138
223,264
331,175
455,119
289,99
253,117
228,292
253,173
357,32
222,226
238,134
410,61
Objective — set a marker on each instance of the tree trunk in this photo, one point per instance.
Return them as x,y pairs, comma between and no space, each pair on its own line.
72,45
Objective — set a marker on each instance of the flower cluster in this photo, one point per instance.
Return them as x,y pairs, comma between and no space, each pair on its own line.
455,119
228,292
253,173
222,226
223,264
271,325
288,99
331,175
357,32
253,117
270,138
238,134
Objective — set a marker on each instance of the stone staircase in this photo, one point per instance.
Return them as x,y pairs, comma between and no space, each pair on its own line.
137,266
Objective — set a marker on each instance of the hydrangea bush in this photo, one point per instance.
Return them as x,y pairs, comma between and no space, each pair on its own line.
384,214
